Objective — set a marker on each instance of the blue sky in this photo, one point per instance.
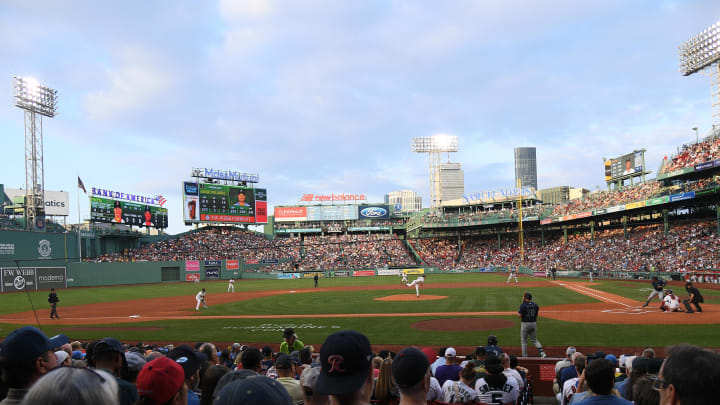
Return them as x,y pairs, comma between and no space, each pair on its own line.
325,96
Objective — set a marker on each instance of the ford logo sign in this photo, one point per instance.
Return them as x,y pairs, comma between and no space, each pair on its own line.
373,212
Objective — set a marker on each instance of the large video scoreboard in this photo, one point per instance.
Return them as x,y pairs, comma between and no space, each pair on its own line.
625,165
218,203
128,213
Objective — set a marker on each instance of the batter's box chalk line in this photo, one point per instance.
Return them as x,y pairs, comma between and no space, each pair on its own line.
628,311
134,316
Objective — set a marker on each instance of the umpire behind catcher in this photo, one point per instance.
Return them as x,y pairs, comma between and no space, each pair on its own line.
695,298
528,314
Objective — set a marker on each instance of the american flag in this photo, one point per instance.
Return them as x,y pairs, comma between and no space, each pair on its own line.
160,199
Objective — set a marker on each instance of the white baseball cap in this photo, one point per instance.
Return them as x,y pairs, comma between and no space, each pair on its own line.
450,352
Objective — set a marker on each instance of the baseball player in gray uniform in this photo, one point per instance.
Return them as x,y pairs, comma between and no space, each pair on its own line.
528,314
512,274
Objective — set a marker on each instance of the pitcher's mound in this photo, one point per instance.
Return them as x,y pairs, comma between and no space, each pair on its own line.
410,297
462,324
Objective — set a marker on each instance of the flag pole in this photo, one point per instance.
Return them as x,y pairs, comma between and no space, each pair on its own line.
79,221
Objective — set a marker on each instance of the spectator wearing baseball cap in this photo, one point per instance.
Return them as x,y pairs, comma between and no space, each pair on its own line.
285,366
267,360
26,354
496,386
290,342
108,354
136,362
162,381
308,380
492,346
251,359
257,390
346,361
451,370
190,362
63,360
411,370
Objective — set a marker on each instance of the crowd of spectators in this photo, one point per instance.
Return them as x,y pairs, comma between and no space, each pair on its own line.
36,369
354,251
212,243
693,154
690,247
608,198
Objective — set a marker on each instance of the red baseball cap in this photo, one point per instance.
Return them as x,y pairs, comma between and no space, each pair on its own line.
160,379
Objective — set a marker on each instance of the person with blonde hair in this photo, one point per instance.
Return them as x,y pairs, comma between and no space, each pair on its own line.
386,392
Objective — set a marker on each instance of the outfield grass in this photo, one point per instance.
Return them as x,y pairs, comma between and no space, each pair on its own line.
393,330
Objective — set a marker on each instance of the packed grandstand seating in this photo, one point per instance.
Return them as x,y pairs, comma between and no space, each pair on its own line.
693,154
111,372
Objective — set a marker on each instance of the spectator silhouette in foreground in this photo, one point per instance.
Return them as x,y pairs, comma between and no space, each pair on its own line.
411,370
689,375
346,375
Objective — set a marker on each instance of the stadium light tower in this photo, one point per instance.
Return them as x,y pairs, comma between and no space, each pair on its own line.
702,52
434,146
37,101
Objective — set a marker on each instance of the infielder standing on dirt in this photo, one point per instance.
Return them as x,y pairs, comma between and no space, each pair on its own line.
231,285
513,274
200,298
658,285
417,283
528,314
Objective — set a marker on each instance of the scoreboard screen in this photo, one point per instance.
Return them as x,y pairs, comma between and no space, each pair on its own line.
219,203
624,166
128,213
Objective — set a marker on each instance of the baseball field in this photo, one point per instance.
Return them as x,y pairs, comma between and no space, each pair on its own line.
453,309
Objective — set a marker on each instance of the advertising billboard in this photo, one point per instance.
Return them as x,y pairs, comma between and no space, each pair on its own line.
374,212
290,214
204,202
57,203
624,166
128,213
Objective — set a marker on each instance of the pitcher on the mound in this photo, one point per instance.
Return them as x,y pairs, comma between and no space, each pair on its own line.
417,283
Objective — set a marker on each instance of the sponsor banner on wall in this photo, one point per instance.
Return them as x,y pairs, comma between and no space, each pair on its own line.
634,205
616,208
56,202
212,273
312,275
683,196
363,273
14,279
384,272
192,277
51,277
7,248
546,221
341,274
270,261
213,262
252,261
705,165
539,273
486,269
599,212
585,214
232,264
413,271
289,214
379,211
285,276
192,265
657,201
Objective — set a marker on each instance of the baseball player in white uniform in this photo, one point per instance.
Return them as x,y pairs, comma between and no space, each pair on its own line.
513,274
417,283
671,302
404,278
231,285
200,298
197,279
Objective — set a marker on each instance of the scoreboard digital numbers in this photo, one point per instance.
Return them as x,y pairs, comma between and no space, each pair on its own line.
224,204
128,213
